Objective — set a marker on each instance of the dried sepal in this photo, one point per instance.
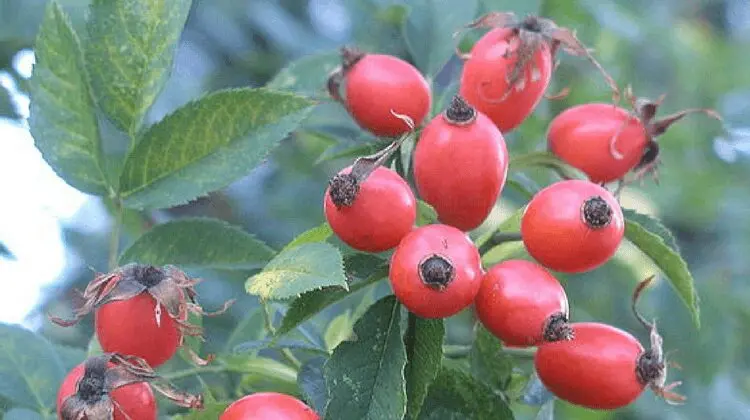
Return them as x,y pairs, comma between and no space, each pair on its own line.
349,57
107,372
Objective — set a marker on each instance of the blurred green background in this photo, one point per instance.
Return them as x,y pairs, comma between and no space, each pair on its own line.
696,51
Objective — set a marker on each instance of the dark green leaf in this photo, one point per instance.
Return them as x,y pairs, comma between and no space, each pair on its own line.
320,233
459,394
198,242
7,108
207,144
547,412
544,160
426,214
298,270
536,393
376,388
668,260
429,31
523,185
424,350
511,224
70,356
488,361
313,384
520,8
30,368
22,414
307,75
63,120
310,303
360,265
129,54
654,226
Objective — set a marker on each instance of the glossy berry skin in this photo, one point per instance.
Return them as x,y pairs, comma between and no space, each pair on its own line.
556,235
516,301
596,369
136,400
383,212
429,301
129,327
583,137
379,83
484,79
461,169
268,406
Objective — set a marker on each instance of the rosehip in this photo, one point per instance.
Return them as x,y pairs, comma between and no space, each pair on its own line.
436,271
572,226
460,165
372,215
522,304
268,405
377,86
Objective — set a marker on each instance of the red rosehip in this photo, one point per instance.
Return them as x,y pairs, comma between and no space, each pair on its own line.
522,304
436,271
606,142
378,85
268,406
572,226
372,215
460,165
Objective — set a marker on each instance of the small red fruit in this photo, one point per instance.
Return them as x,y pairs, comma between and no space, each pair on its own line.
572,226
436,271
460,165
112,386
606,142
268,406
130,321
522,304
509,68
378,85
371,214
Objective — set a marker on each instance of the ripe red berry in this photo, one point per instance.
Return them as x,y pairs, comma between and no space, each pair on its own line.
460,165
606,142
130,321
372,215
114,384
572,226
522,304
377,85
436,271
268,405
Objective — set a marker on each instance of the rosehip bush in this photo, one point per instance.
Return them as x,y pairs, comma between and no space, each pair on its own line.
447,259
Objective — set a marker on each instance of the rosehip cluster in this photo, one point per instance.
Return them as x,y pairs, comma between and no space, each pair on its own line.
460,165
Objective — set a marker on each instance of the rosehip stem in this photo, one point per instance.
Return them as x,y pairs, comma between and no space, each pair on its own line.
499,238
365,165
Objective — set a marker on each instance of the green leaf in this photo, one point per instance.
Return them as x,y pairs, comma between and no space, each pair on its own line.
22,414
307,75
319,233
273,343
376,388
350,151
669,261
7,108
340,329
70,356
129,54
458,393
249,327
63,119
212,410
30,368
426,214
511,224
198,242
429,31
298,270
545,160
547,412
424,349
488,361
94,348
207,144
654,226
313,384
311,303
520,8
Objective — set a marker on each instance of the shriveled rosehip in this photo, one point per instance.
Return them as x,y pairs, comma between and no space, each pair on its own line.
606,142
436,271
522,304
380,213
509,68
460,165
142,310
376,85
113,386
267,406
572,226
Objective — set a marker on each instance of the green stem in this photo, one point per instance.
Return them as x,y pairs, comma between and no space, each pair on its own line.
114,239
288,355
284,375
499,238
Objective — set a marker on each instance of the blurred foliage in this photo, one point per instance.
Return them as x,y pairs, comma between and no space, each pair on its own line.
695,51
